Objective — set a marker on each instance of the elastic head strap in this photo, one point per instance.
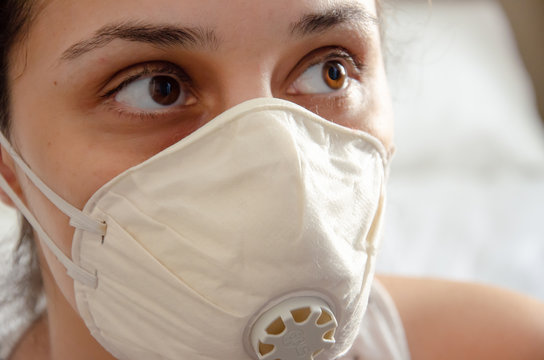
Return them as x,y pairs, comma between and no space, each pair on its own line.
77,218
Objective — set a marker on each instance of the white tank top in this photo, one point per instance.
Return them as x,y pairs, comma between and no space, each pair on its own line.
382,335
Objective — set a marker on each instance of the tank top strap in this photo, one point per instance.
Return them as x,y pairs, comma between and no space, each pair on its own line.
381,336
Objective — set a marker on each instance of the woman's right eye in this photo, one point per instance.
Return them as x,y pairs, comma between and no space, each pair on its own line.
154,93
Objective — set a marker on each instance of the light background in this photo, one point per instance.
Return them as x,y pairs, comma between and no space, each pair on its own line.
466,193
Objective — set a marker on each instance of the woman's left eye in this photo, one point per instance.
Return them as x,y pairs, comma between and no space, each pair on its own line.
154,93
321,78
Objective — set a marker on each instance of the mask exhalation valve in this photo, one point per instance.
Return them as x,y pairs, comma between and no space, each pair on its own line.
299,328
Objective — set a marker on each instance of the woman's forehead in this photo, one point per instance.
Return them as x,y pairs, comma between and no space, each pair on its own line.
209,10
235,17
65,29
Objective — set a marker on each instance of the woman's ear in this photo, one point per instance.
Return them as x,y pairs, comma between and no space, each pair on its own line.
7,170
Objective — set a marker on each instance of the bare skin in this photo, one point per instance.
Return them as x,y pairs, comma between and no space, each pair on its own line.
77,126
451,320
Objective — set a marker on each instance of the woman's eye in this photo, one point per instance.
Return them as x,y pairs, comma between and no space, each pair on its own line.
321,78
155,92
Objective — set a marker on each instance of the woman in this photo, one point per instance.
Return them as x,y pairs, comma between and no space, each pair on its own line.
156,92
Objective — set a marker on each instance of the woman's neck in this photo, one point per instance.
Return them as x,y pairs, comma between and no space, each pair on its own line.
66,335
35,342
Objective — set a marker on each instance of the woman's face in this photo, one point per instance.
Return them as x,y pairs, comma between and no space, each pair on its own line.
98,86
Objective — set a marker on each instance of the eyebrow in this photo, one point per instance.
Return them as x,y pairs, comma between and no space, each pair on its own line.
323,21
158,35
190,37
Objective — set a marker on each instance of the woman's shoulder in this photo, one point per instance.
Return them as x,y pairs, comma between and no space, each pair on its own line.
34,343
446,319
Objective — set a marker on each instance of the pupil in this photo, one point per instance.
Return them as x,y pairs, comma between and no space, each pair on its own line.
164,90
334,73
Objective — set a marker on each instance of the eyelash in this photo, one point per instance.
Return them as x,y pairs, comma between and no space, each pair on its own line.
353,63
147,70
331,53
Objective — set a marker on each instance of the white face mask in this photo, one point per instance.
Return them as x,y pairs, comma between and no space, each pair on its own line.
252,238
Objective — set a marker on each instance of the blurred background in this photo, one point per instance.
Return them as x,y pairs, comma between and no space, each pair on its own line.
466,192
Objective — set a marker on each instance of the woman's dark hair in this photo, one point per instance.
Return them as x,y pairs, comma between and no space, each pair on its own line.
15,17
23,284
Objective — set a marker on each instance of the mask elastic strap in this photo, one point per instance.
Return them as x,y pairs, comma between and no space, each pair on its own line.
77,218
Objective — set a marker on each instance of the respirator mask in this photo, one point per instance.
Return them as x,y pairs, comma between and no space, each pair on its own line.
252,238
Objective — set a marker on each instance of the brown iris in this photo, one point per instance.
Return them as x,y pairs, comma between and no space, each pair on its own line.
334,74
164,90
